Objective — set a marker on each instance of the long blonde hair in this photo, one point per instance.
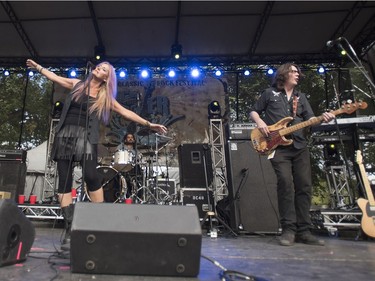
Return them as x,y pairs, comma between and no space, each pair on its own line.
106,95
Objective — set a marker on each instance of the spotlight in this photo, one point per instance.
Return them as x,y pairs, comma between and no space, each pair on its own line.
57,109
270,71
331,155
6,73
122,73
31,73
195,72
72,73
171,73
321,70
246,72
145,73
176,51
99,52
214,110
218,73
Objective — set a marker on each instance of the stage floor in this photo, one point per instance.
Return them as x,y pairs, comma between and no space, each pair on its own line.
343,258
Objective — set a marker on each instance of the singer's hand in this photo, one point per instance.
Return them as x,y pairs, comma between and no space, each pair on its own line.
31,64
161,129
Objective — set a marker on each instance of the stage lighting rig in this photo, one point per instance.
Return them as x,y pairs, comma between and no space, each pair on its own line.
214,110
176,51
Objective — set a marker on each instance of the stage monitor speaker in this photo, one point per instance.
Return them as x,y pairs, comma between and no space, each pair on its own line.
12,177
251,177
131,239
192,157
17,233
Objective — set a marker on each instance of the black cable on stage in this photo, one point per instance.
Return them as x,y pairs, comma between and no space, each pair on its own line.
231,275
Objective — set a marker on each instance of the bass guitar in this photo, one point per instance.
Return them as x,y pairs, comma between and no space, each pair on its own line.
266,145
367,206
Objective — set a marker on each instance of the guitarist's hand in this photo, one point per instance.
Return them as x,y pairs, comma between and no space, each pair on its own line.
328,116
263,127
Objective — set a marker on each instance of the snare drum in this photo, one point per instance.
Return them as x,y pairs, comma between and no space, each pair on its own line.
124,160
113,183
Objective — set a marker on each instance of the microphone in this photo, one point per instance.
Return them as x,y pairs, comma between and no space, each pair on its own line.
90,65
332,43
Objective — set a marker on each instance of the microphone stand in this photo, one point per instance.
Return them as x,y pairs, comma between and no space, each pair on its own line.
358,64
81,195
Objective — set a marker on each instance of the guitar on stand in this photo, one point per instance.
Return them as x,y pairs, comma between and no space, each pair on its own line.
266,145
367,206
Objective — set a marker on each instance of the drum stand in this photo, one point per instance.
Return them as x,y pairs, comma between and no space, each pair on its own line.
152,194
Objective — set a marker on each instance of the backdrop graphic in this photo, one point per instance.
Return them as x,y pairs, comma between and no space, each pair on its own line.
180,104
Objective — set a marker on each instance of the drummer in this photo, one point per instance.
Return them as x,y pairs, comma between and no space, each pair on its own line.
132,177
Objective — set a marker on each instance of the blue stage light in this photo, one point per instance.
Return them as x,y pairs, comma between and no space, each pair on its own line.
218,73
145,73
122,74
6,73
171,73
31,73
195,72
246,72
321,70
72,73
270,71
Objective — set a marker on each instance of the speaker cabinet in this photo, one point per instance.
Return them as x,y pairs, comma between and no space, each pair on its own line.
160,240
252,188
12,177
192,158
17,233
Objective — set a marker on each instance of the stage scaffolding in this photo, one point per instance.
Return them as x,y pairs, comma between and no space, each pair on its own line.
220,185
50,174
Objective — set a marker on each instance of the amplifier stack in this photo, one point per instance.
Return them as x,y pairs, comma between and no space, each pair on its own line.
12,172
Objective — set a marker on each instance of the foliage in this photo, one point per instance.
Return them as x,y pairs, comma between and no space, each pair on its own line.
25,111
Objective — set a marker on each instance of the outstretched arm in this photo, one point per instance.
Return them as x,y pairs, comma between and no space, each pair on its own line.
68,83
132,116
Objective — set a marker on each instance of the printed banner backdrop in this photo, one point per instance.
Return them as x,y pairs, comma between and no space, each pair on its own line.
179,104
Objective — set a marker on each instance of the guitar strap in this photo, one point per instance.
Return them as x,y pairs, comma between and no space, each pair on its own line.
295,104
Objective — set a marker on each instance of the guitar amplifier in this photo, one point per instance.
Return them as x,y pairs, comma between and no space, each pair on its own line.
240,131
13,155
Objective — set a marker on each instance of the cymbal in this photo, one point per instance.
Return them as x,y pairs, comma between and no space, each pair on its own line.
109,144
145,132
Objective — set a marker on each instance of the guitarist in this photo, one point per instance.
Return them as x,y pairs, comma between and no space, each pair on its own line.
291,163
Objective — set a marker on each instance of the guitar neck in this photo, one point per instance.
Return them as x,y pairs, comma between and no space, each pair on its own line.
310,122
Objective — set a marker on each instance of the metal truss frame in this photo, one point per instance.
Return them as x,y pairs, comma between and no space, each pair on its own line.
333,220
50,174
220,184
338,184
42,212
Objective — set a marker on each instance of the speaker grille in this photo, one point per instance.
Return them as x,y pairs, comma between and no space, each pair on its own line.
12,177
256,208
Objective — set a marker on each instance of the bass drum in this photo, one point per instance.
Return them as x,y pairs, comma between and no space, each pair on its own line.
113,183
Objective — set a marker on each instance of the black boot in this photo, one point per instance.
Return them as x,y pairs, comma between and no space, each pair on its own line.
67,213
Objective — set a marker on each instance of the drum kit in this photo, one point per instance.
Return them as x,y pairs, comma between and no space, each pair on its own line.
133,174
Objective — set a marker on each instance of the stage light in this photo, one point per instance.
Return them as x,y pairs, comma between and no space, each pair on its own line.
214,110
122,73
195,72
99,52
171,73
246,72
218,73
72,73
270,71
6,73
145,73
31,73
321,70
176,51
343,52
331,155
57,109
